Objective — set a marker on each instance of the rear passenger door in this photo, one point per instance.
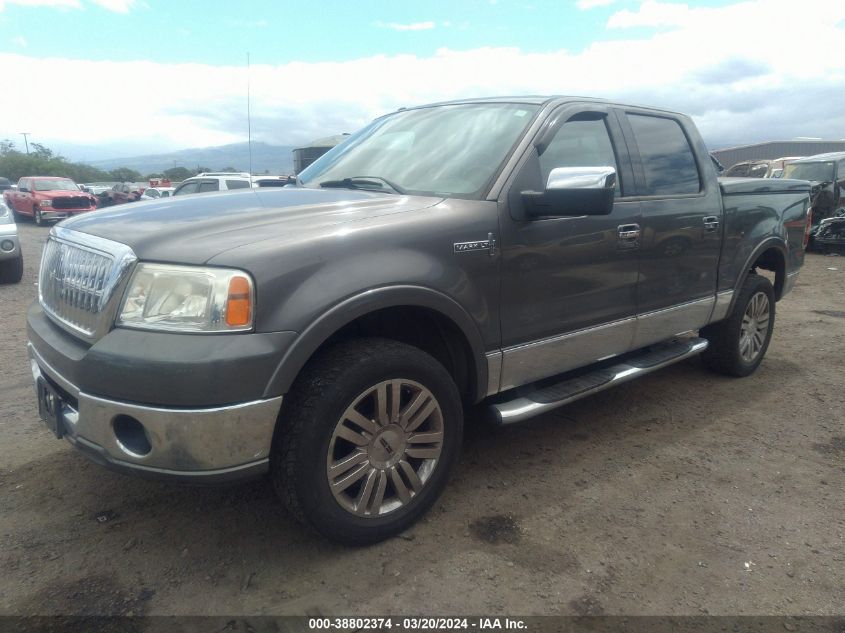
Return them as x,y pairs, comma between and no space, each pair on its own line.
681,225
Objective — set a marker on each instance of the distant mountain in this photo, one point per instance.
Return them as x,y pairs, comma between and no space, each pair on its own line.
274,159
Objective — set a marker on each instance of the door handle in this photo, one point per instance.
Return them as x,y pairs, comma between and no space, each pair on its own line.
711,223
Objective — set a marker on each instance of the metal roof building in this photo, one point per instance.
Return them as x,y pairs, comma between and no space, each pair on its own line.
304,156
770,150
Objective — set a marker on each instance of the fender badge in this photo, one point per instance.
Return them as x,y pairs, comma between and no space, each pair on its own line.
478,245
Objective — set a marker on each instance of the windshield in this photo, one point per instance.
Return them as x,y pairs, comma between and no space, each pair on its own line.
818,172
55,184
445,150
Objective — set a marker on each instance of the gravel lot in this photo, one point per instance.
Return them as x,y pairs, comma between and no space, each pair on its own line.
681,493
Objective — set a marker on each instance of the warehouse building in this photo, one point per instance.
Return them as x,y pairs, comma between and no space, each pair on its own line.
770,150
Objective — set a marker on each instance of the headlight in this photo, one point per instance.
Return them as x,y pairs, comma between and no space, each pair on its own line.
4,211
45,203
188,299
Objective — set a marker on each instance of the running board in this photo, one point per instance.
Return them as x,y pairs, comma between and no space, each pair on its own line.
561,393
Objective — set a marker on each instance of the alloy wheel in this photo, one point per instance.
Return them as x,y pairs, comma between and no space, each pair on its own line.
385,448
755,327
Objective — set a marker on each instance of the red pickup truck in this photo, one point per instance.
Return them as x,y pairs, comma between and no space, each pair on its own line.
48,198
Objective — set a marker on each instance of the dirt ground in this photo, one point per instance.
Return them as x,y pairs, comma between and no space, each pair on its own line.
680,493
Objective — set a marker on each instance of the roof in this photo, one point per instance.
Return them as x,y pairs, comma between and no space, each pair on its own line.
541,100
821,157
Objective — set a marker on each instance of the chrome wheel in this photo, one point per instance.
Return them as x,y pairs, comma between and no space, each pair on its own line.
755,327
385,447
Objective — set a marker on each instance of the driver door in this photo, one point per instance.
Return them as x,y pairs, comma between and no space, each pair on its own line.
568,283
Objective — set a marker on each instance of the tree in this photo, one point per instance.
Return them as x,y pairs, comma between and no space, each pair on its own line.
42,161
230,169
177,173
124,174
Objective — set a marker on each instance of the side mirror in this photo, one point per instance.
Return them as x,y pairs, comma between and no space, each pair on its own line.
23,189
573,191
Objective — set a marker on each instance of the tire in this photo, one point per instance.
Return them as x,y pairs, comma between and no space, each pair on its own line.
314,431
11,271
739,343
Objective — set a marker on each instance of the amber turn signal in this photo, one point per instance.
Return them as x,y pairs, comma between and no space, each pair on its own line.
238,303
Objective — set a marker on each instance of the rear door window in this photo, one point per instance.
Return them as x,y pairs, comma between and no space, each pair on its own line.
209,185
667,159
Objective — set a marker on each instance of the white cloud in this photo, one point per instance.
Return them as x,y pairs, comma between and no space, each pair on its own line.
654,14
414,26
118,6
61,4
722,66
20,40
592,4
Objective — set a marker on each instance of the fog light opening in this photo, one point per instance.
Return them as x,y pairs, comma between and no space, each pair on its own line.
7,245
131,436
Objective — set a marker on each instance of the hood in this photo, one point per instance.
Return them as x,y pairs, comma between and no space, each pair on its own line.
62,194
194,228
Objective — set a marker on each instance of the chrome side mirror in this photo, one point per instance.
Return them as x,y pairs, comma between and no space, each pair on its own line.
581,178
573,191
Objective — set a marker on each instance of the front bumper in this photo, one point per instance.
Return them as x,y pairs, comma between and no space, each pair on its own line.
196,445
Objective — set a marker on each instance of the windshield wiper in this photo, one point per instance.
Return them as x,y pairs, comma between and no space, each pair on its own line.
362,182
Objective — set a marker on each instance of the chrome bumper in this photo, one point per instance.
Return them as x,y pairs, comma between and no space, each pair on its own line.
207,445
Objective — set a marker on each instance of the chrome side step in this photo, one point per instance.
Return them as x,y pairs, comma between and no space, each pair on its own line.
561,393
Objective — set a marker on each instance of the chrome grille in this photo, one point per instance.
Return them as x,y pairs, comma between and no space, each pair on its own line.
78,278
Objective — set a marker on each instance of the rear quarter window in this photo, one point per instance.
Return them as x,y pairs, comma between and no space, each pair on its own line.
237,184
667,158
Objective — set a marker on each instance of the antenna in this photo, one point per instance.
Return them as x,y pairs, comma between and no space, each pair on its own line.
248,117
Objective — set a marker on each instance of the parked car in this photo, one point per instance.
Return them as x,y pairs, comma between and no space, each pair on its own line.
272,181
46,198
826,173
214,181
5,185
153,193
121,193
830,235
778,164
11,257
332,333
760,168
98,188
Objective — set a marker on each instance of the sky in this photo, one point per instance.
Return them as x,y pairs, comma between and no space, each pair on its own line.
108,78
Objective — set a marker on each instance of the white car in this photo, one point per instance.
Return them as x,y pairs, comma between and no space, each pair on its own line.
154,193
11,258
214,181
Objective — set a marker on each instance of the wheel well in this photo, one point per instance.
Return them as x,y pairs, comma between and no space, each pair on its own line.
423,328
772,260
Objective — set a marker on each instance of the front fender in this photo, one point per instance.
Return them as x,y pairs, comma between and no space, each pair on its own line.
366,302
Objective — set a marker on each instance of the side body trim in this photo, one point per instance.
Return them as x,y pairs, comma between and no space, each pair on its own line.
536,360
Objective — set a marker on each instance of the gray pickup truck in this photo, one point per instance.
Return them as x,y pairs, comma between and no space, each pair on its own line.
515,254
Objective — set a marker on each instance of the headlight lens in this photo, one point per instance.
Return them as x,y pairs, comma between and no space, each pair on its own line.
45,203
188,299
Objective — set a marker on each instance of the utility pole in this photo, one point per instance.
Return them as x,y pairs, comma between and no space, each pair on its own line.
248,117
26,142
